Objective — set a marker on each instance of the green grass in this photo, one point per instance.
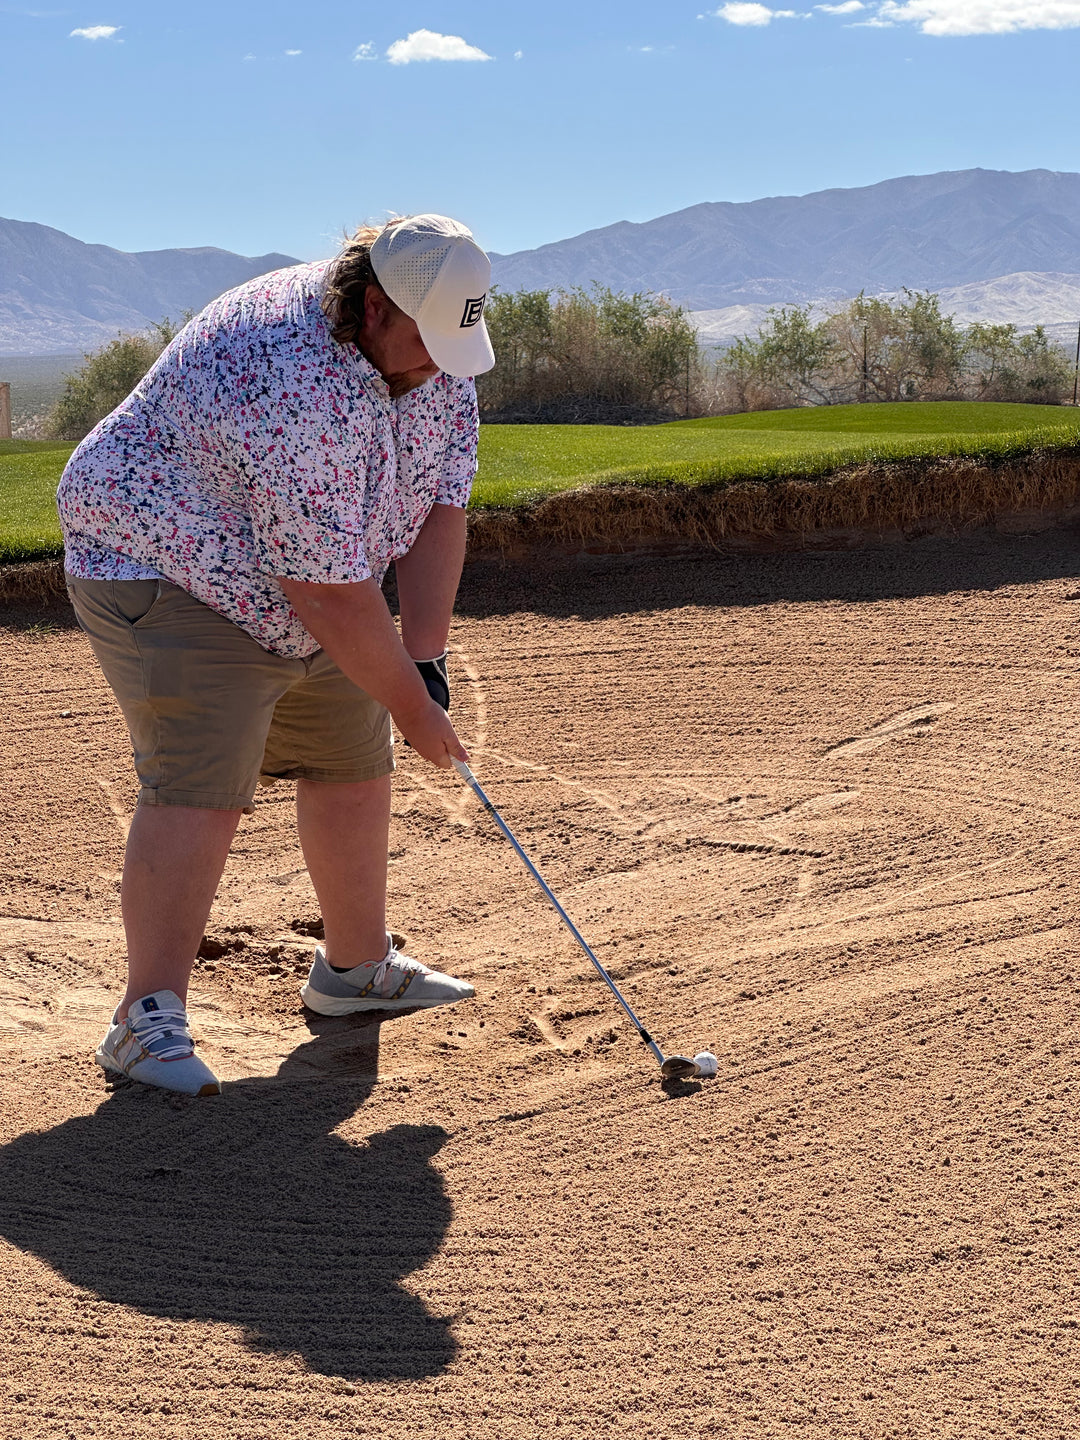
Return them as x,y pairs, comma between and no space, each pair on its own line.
29,473
522,463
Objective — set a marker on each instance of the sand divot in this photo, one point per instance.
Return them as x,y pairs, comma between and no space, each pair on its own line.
547,1030
889,729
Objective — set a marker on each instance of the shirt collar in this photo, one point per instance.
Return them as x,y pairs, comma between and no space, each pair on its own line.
371,375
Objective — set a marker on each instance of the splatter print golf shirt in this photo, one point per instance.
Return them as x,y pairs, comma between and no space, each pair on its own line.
259,447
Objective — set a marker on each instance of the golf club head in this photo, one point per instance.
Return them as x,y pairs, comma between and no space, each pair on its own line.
678,1067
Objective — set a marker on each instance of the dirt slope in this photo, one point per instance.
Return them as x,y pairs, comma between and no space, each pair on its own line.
819,813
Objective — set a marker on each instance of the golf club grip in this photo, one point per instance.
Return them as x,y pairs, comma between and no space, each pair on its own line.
474,784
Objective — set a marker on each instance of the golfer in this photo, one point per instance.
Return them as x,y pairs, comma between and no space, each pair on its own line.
227,530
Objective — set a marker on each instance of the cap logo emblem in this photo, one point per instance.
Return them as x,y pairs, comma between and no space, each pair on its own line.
473,311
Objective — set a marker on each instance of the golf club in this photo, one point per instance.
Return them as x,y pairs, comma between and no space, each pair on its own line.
672,1067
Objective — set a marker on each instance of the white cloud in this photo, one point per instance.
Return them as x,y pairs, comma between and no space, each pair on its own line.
849,7
365,51
982,17
518,54
97,32
430,45
294,52
744,12
249,56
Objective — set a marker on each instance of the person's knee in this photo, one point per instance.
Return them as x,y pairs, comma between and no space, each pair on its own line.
191,825
347,793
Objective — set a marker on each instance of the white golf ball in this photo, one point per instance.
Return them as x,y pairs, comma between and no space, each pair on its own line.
705,1061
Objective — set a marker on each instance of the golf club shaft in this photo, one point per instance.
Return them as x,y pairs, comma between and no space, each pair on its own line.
474,784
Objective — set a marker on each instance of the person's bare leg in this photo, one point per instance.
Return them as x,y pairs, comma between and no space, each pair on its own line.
174,859
344,832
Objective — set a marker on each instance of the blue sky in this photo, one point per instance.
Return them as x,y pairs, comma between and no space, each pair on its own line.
271,127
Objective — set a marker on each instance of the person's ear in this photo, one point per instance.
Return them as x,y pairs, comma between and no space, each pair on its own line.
376,308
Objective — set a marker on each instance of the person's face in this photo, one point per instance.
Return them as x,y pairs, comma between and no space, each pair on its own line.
392,343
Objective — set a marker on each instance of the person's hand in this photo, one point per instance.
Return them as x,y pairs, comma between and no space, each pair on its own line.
431,734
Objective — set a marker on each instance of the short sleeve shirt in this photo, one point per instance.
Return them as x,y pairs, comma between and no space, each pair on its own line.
259,447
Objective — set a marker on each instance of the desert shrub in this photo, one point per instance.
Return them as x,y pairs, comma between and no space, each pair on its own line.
868,349
588,351
724,389
107,377
1003,365
887,350
896,350
793,360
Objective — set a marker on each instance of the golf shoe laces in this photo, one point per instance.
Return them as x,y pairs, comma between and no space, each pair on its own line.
164,1034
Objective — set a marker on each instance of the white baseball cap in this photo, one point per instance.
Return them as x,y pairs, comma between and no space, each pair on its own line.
433,269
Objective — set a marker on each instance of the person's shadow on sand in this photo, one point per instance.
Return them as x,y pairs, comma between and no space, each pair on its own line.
246,1209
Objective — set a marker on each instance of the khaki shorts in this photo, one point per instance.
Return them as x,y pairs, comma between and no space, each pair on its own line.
210,712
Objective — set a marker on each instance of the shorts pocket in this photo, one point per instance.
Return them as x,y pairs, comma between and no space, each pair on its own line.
133,600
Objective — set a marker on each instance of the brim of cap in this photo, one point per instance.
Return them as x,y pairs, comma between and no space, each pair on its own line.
460,353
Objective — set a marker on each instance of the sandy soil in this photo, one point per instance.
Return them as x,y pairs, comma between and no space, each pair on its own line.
819,813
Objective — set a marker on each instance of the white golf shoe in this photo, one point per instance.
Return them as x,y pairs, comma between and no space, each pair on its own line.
153,1045
396,982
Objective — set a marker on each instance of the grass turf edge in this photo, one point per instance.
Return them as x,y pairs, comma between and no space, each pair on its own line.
852,505
905,495
526,491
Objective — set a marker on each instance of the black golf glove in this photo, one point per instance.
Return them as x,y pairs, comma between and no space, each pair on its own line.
434,675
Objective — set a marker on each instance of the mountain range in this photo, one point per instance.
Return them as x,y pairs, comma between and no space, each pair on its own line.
997,245
59,295
926,232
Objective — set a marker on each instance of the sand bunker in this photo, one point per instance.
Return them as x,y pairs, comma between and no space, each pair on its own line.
816,813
